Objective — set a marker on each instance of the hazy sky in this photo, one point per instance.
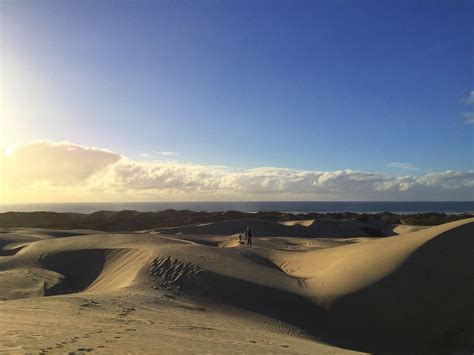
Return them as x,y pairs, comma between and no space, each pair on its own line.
219,88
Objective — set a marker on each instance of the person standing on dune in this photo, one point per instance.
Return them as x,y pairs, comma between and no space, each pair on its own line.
249,236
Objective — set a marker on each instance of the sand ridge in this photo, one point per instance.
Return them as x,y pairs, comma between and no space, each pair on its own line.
264,228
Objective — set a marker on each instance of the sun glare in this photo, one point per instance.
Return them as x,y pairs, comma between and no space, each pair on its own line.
9,150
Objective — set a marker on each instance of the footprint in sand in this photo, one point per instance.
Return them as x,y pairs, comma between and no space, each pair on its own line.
126,311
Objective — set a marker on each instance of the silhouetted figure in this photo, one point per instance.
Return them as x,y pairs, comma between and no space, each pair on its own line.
241,241
249,236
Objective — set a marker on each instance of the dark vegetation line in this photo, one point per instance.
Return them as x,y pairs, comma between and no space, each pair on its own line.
133,220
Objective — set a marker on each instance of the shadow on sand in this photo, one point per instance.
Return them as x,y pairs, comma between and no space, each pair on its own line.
297,311
425,305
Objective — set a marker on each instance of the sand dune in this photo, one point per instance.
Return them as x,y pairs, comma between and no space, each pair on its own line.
405,228
389,288
195,289
263,228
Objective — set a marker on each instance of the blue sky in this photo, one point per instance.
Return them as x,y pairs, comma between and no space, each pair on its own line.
314,85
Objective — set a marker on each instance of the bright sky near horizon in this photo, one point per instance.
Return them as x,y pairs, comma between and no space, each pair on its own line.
195,100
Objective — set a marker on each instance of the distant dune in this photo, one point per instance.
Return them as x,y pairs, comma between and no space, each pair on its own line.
263,228
134,220
403,228
194,288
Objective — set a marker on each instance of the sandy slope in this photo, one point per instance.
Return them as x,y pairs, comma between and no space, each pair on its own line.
406,228
416,287
262,228
202,292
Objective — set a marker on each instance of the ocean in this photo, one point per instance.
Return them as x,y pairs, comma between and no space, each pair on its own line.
407,207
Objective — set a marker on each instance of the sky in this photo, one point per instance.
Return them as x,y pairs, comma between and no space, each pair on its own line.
236,100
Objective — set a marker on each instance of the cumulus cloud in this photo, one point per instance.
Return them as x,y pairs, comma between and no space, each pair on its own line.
53,162
399,165
469,100
77,172
164,175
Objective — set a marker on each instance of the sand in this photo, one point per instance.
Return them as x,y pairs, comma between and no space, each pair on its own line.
302,228
297,289
406,228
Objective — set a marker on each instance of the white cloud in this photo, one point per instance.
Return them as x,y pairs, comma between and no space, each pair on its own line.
469,100
403,166
65,171
168,153
53,162
469,117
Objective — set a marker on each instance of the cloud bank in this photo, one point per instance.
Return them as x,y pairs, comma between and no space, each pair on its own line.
46,171
53,162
